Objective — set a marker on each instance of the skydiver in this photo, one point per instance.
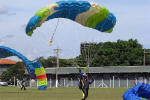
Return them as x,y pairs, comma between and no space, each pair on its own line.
84,84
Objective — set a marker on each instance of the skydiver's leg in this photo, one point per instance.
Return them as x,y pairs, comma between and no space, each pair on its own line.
83,94
24,88
21,87
86,93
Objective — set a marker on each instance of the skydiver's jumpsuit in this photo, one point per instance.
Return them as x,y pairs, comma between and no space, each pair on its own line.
84,85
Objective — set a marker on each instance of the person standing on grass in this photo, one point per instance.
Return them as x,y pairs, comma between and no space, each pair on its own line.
23,84
84,84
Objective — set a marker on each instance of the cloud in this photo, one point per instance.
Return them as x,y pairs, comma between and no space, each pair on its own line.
31,54
1,42
11,14
6,37
9,36
23,26
2,39
3,10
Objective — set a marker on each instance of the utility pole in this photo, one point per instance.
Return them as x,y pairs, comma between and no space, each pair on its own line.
88,59
144,59
57,61
88,62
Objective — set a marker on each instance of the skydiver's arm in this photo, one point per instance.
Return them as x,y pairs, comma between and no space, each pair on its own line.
81,74
90,82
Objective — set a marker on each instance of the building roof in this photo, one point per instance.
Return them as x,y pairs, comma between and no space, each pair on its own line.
7,61
106,69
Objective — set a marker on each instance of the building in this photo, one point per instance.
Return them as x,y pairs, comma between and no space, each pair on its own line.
108,76
105,77
6,63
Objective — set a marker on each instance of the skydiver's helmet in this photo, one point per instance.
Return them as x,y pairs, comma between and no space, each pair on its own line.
84,75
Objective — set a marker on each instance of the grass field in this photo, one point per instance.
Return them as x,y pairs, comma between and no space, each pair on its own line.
14,93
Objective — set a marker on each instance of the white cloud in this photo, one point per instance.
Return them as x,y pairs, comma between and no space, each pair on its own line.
8,36
3,10
2,43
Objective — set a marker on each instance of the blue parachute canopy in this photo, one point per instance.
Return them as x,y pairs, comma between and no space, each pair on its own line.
8,52
140,90
35,69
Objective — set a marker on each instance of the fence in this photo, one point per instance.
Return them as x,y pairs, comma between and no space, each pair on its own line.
113,82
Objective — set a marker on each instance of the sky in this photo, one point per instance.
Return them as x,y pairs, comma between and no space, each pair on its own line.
133,21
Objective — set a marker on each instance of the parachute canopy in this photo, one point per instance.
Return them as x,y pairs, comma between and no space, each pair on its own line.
85,13
8,52
140,90
34,68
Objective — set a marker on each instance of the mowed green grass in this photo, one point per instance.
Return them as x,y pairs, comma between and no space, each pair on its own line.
14,93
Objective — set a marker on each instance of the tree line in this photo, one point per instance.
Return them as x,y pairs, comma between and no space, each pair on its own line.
119,53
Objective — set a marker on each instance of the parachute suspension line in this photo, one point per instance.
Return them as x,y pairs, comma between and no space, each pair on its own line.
87,57
51,40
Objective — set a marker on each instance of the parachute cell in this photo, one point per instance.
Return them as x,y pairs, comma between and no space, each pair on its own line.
40,75
83,12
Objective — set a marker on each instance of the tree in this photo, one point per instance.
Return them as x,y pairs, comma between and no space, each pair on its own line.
120,53
17,70
51,62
